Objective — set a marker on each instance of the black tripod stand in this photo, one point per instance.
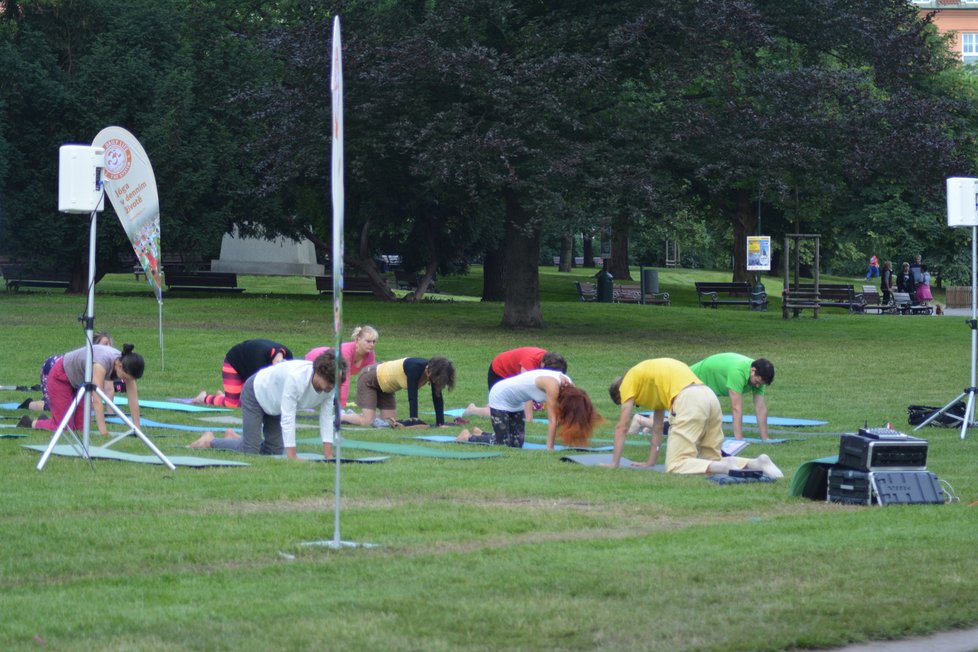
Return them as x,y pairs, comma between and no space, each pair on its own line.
87,389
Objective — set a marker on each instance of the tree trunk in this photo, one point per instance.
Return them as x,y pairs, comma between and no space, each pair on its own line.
364,263
493,283
79,279
619,249
521,272
588,247
744,224
566,252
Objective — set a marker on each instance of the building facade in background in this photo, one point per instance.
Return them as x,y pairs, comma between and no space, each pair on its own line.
959,17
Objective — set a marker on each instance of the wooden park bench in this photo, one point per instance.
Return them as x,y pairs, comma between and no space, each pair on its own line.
18,276
202,281
410,281
351,285
734,293
836,295
633,294
587,291
873,302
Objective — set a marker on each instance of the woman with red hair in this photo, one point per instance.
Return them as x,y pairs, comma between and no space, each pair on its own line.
570,413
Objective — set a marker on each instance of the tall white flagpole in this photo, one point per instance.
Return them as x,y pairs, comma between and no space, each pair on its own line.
336,90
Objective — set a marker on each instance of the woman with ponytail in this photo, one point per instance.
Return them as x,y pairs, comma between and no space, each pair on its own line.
68,374
570,413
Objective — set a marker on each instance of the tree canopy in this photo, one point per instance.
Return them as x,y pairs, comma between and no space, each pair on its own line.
476,128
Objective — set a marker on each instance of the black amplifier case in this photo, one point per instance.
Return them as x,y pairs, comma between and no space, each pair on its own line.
883,487
867,453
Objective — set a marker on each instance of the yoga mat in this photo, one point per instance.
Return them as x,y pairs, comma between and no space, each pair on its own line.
175,406
599,458
11,435
778,421
95,452
405,449
149,423
726,479
316,457
229,420
750,419
9,406
448,439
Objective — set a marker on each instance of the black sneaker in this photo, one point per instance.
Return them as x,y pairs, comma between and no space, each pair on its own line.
26,405
25,422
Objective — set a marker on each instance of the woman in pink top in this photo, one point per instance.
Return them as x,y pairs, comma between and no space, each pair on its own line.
359,354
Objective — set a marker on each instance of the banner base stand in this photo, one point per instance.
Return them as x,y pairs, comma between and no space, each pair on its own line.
337,545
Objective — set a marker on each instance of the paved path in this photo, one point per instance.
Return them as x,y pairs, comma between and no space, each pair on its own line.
964,640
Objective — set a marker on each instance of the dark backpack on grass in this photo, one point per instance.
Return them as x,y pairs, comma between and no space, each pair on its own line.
951,418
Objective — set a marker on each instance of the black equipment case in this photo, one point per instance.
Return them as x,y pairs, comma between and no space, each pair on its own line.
883,487
881,449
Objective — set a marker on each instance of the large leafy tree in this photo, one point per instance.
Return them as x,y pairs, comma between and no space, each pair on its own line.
166,72
812,108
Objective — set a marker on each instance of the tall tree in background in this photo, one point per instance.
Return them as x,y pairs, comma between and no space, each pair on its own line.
165,72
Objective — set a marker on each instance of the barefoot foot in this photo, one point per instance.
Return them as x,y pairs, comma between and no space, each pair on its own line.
204,441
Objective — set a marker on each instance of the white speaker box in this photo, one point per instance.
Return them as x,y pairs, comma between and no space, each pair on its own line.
962,201
80,178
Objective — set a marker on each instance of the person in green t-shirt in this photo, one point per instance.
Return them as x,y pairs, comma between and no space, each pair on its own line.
733,375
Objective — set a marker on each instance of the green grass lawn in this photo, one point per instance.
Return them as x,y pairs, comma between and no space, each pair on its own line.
512,553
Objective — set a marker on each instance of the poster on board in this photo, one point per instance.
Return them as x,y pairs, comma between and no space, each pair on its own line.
758,253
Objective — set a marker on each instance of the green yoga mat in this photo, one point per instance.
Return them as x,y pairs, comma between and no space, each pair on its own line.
406,449
66,450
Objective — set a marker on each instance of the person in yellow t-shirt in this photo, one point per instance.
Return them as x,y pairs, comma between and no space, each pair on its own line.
695,417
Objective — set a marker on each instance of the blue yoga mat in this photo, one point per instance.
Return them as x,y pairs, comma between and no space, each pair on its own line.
778,421
95,452
174,406
9,406
149,423
446,439
748,419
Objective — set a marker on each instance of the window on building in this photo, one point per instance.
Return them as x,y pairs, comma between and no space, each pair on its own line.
969,48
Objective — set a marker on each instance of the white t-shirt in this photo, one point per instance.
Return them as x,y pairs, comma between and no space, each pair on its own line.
509,394
285,388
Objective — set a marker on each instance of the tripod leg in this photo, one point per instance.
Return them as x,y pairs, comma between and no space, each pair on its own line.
125,419
945,409
61,427
969,413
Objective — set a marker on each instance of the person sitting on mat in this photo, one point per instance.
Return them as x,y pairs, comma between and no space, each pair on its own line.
270,400
240,363
695,420
359,354
378,383
510,363
570,412
68,374
44,403
735,375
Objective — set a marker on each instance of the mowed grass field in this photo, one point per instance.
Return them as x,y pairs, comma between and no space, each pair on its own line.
517,552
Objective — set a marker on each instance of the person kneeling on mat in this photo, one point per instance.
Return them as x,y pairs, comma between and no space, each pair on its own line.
270,400
695,418
569,410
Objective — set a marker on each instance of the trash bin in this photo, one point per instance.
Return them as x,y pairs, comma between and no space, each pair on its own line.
606,290
650,281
